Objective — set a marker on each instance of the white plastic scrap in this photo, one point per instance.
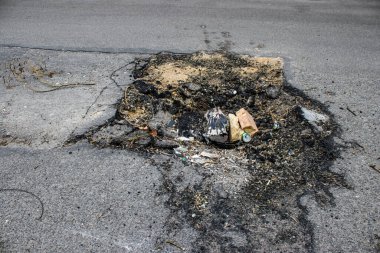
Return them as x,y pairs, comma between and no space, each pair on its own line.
312,116
182,138
210,155
198,159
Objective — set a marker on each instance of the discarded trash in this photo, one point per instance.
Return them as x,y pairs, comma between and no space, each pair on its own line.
175,244
198,159
210,155
182,153
185,139
235,130
290,152
313,118
217,122
180,150
276,125
246,122
190,87
246,137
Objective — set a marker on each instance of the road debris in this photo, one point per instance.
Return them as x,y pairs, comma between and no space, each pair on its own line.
209,155
235,130
247,122
375,167
217,122
276,125
229,114
315,119
181,152
247,140
351,111
246,137
272,92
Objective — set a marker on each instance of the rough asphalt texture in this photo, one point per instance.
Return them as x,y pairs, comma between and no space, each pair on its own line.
98,200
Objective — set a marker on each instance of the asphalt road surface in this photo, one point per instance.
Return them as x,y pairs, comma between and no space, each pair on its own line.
79,198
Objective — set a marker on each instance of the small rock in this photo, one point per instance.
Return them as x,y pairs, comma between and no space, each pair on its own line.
219,189
145,88
306,132
218,138
171,123
290,152
231,93
184,92
161,118
272,92
276,125
115,134
251,101
166,144
139,138
193,86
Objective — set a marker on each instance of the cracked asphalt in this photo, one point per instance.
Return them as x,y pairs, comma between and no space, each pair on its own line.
108,200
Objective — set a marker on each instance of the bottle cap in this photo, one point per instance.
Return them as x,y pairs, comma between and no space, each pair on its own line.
246,137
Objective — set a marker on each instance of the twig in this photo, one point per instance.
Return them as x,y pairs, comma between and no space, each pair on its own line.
348,109
28,192
174,244
114,72
374,167
357,144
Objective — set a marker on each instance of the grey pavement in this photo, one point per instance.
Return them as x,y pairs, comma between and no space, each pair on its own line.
98,200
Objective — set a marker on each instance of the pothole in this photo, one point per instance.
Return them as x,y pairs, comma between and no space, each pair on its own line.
187,107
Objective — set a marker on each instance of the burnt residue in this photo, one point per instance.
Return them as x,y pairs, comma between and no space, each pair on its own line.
287,158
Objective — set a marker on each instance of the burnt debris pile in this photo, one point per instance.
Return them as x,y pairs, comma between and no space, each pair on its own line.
226,110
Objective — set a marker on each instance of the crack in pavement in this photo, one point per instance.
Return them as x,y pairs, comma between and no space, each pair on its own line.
96,100
140,51
114,72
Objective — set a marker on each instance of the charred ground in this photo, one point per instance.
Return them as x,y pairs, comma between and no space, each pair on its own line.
233,202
